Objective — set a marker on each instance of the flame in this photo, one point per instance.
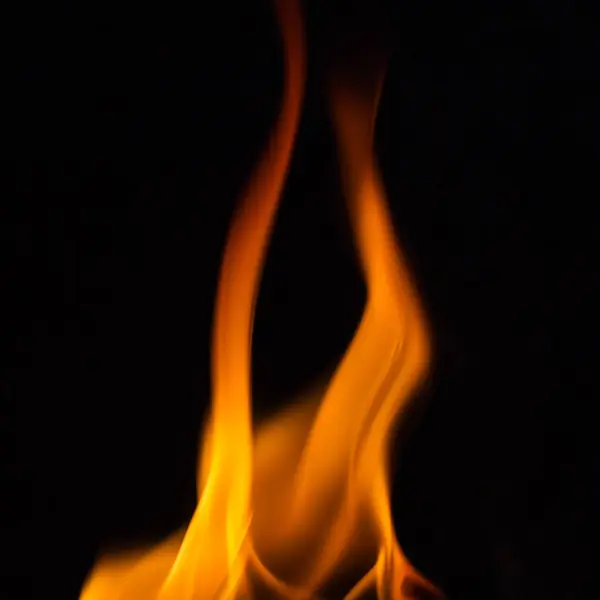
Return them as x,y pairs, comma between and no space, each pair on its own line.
290,509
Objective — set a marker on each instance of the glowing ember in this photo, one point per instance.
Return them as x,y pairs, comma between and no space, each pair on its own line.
304,501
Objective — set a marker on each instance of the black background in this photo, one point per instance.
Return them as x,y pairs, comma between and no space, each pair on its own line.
129,135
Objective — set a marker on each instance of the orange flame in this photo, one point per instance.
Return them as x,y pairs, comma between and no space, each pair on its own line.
304,501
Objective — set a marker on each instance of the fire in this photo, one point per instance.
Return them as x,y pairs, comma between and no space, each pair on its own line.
300,505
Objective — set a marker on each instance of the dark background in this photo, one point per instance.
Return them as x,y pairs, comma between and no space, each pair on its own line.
128,136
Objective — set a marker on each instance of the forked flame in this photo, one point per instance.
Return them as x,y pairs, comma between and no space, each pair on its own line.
302,503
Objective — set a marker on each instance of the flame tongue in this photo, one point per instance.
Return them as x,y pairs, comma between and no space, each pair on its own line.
223,514
211,559
286,511
336,507
397,349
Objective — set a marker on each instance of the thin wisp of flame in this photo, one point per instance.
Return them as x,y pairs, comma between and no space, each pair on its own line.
286,508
